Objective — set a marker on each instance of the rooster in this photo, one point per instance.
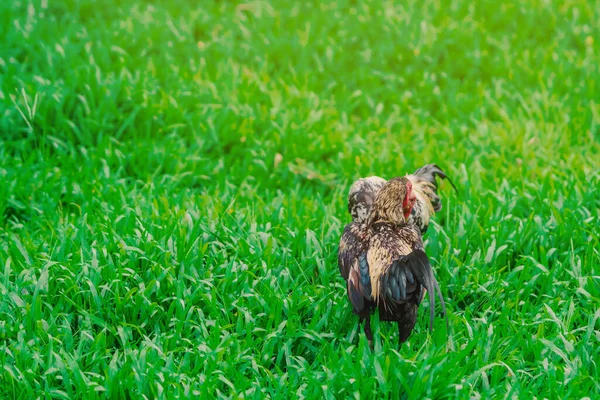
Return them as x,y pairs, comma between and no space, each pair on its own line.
381,253
363,191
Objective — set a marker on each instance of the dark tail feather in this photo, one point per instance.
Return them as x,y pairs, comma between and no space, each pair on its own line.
418,264
439,293
430,171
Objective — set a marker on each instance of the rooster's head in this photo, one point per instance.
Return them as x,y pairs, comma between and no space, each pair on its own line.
393,202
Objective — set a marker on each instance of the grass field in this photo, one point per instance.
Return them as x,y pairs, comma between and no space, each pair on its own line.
173,178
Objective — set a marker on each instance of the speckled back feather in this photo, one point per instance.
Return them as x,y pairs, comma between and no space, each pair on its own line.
361,196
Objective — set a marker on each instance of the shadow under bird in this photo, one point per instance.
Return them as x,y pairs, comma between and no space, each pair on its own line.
381,254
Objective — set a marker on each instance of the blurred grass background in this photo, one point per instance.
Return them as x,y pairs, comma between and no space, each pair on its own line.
174,177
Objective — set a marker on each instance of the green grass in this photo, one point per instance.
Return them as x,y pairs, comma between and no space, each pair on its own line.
170,208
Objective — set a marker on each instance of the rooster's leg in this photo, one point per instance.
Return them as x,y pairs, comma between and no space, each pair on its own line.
400,341
403,333
367,328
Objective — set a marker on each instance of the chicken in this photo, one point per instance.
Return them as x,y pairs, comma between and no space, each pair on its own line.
383,261
363,191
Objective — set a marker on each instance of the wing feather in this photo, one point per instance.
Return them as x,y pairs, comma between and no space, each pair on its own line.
353,265
399,268
386,245
352,244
